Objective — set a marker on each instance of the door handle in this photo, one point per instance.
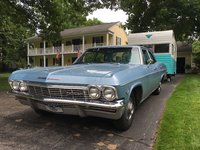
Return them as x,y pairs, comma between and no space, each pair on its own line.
155,68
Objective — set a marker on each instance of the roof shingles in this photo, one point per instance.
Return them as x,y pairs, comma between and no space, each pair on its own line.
88,29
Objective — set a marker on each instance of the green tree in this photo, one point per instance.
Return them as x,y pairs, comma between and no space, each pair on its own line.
21,19
182,16
196,47
48,18
196,53
91,22
13,44
13,32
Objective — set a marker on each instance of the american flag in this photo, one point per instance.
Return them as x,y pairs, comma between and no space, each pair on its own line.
78,54
58,55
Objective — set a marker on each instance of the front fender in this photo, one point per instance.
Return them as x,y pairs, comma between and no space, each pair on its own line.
129,88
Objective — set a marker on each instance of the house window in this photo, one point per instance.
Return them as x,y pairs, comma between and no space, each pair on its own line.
161,48
31,60
41,62
47,62
118,41
57,44
97,41
42,44
77,44
68,43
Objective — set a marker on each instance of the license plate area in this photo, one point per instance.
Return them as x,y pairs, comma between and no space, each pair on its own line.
54,108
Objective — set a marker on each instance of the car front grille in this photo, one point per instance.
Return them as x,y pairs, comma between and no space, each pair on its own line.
59,93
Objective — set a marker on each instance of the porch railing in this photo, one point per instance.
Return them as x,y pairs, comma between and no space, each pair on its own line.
62,49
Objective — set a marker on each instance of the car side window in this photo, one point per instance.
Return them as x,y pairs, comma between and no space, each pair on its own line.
152,56
88,58
145,56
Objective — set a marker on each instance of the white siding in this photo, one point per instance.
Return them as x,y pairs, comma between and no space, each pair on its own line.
157,37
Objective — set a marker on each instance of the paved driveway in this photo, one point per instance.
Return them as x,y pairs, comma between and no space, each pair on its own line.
21,128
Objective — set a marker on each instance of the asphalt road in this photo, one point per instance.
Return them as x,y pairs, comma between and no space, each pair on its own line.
21,128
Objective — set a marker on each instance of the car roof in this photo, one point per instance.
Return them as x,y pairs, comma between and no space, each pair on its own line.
118,46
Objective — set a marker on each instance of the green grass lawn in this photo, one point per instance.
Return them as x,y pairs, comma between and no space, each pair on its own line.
180,125
4,86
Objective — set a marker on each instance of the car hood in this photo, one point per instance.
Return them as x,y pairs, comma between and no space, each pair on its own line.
90,70
75,74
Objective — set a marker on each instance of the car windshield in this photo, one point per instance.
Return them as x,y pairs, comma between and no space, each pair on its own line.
123,55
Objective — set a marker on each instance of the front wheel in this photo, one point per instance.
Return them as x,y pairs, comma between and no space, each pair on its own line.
126,120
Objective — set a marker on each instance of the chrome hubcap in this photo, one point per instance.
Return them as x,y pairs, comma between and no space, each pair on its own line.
130,110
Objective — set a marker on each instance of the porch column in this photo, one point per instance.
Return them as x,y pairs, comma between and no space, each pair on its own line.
112,42
44,53
107,39
112,39
62,52
28,60
83,43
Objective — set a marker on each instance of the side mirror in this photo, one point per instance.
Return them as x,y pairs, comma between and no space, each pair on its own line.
150,61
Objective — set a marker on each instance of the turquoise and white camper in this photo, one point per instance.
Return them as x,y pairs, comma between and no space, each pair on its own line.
162,44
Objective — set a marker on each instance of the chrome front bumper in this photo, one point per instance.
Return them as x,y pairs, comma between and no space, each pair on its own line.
110,110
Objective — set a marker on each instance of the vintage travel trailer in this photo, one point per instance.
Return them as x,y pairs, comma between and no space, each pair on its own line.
162,44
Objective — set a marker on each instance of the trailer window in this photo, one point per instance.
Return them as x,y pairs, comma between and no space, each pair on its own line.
161,48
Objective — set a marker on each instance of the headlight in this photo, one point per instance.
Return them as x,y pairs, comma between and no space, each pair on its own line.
94,92
109,93
23,86
15,85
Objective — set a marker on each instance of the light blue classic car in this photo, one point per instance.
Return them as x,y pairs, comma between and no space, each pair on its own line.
108,82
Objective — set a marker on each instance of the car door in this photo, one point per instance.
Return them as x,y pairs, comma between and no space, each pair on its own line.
150,71
155,76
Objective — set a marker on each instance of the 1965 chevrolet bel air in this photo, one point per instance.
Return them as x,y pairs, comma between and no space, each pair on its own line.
108,82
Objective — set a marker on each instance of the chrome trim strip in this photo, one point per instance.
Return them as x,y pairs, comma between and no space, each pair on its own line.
117,104
52,86
57,86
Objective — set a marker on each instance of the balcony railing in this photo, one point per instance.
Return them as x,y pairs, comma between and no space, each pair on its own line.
36,51
62,49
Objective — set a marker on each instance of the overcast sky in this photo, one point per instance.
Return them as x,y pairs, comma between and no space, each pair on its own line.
107,15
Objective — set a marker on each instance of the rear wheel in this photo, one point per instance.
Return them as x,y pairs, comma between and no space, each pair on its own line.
158,90
126,120
169,78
